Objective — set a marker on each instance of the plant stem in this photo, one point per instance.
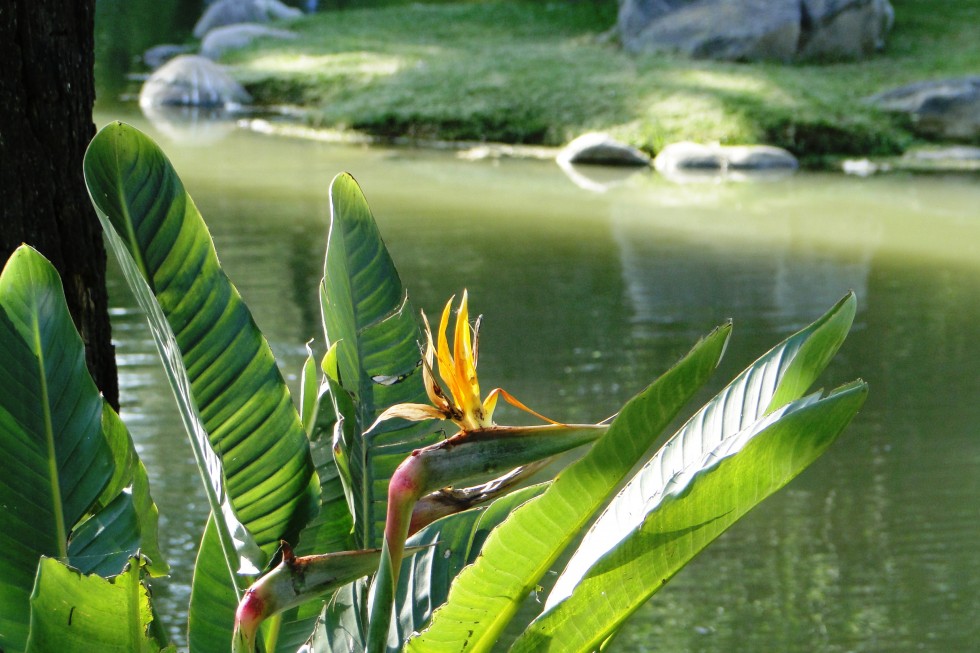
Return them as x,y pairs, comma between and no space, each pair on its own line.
406,487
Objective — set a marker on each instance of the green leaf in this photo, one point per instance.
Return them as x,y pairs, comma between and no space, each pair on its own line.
309,392
247,437
801,358
128,523
330,531
687,512
214,597
486,595
780,375
342,626
55,462
78,613
367,315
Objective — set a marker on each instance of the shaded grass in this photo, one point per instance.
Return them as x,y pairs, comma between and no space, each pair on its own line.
541,73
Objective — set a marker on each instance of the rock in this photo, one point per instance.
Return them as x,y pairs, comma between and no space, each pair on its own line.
758,157
689,156
693,161
161,54
601,149
234,37
844,29
191,80
635,15
730,30
230,12
751,30
944,108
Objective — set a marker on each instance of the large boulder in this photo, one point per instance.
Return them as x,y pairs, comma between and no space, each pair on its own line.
730,30
844,29
161,54
234,37
636,15
191,80
752,30
231,12
944,108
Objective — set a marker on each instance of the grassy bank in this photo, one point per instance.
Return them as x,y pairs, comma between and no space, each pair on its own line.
537,72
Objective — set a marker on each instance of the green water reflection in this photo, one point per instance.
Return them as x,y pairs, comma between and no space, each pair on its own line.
588,296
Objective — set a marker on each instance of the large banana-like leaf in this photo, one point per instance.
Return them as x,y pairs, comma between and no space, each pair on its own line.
367,316
82,614
58,468
683,514
782,374
487,594
244,429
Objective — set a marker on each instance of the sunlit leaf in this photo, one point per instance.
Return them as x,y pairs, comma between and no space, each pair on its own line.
246,434
367,316
308,391
74,612
781,375
689,511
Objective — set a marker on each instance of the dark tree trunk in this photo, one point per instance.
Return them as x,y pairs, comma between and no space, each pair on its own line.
47,91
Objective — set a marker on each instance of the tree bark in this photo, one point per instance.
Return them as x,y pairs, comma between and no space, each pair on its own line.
47,92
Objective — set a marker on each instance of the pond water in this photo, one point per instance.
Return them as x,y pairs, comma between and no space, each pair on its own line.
588,296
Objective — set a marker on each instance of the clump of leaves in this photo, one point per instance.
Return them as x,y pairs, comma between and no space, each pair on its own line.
346,522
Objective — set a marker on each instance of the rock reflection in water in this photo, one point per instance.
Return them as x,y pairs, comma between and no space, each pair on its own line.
193,126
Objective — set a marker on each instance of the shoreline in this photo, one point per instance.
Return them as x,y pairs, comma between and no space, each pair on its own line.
934,158
520,74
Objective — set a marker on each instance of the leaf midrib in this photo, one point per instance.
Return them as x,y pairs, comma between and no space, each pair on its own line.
134,248
57,505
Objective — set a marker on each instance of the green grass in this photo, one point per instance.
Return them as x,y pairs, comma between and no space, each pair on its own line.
541,73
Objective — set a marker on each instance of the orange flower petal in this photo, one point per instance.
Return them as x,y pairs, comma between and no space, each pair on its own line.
489,404
469,396
432,387
513,401
446,366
